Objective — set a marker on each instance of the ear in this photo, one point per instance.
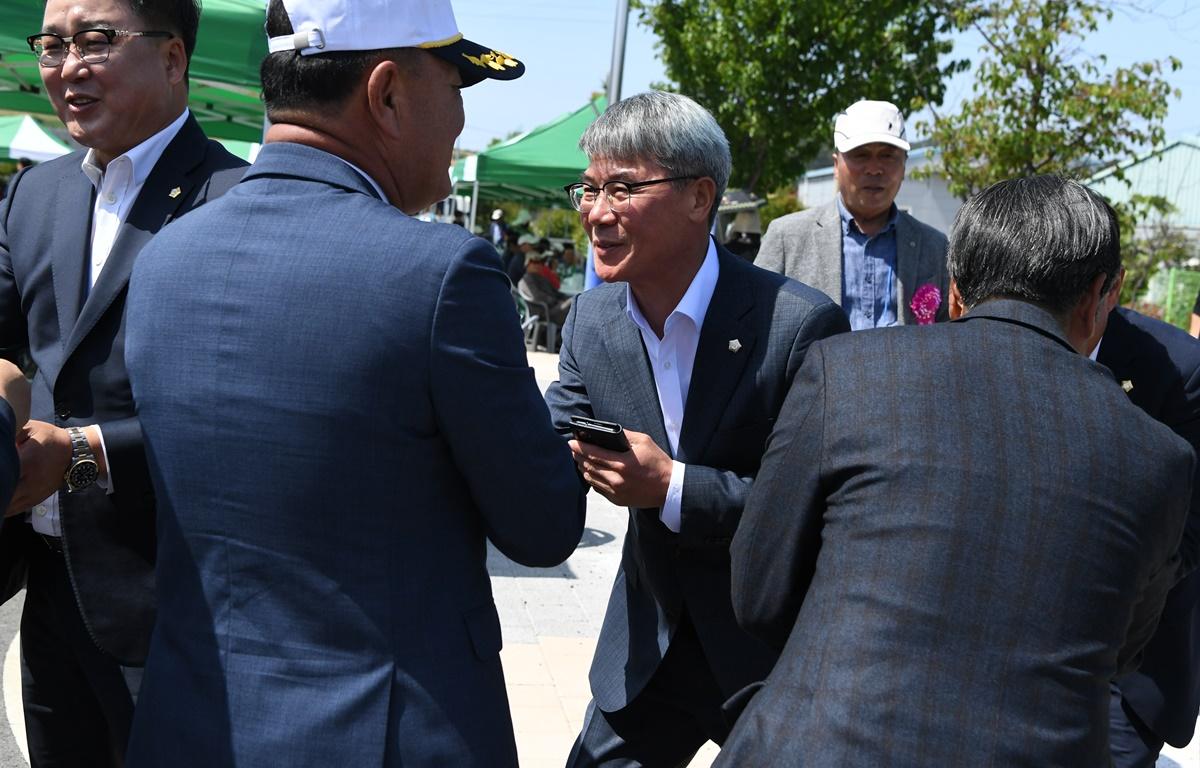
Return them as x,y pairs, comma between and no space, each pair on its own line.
957,307
386,105
176,60
704,193
1083,318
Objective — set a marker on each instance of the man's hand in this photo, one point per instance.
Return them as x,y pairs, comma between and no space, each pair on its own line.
635,478
14,388
45,456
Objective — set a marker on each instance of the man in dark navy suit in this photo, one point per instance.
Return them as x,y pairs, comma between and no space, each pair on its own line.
340,415
83,520
1158,366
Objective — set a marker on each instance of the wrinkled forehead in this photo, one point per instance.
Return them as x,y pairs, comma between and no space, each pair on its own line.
602,169
72,15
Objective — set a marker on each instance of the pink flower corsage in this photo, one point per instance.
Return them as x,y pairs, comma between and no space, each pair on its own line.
925,303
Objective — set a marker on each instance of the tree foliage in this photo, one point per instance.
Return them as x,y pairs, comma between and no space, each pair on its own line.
1040,103
775,72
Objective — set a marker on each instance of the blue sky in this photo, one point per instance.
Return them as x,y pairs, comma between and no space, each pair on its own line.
567,45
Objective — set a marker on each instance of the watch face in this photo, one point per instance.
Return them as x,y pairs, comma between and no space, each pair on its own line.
82,474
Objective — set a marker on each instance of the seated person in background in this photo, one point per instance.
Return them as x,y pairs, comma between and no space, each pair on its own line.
536,285
570,271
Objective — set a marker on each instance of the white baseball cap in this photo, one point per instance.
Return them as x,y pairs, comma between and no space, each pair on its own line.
867,122
323,26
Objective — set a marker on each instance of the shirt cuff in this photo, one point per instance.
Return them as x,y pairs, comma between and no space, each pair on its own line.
105,480
671,513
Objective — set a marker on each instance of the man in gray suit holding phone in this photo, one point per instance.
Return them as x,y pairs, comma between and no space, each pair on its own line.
692,351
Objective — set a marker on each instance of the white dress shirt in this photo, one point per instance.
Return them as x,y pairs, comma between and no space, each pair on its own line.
671,360
117,187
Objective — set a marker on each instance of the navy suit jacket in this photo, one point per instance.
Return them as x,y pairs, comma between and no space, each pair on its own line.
1162,363
731,407
339,414
76,338
954,569
10,464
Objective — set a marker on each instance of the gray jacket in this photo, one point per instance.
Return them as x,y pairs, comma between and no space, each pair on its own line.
807,246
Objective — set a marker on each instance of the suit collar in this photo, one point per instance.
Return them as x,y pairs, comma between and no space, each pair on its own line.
299,161
169,185
1020,313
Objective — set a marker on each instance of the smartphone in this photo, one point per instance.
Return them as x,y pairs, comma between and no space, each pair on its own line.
606,434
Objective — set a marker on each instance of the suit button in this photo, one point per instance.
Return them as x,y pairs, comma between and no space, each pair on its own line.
62,412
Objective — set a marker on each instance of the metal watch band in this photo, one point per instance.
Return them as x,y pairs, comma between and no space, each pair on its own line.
80,448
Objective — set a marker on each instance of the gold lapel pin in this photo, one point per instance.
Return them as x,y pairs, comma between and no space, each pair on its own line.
734,345
1127,385
174,193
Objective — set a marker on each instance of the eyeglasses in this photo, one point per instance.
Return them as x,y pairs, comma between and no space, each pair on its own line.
91,45
616,193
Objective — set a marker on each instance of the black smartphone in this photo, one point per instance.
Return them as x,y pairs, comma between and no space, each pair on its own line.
606,434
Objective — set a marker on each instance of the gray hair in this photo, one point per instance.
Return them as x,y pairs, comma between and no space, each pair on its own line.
1042,239
668,128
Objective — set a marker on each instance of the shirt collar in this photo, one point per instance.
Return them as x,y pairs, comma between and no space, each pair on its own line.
848,218
1096,350
695,301
378,189
141,158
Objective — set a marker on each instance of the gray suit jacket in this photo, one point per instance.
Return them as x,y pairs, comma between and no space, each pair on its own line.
956,569
807,246
731,407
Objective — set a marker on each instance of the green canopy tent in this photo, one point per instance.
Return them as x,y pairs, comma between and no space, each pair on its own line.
533,166
21,136
224,93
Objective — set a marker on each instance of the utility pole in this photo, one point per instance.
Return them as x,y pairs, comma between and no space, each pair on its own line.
617,67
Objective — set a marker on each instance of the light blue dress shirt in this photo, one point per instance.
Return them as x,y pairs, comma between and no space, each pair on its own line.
868,273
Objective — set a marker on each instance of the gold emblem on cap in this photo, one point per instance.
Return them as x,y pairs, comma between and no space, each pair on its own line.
496,60
174,193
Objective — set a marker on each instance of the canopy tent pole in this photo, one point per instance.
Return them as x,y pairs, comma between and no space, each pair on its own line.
617,67
474,203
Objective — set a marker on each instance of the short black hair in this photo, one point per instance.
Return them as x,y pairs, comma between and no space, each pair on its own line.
291,81
179,17
1042,239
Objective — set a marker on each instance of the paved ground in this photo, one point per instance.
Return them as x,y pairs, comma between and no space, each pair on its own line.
550,619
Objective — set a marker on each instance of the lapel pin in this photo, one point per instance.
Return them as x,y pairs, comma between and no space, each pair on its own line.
174,193
1127,385
734,345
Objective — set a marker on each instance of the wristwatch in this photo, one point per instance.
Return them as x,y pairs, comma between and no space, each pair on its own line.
83,470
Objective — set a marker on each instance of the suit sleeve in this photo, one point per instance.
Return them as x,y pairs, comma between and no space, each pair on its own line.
1186,423
13,336
10,465
1148,609
775,549
518,470
713,499
770,250
568,396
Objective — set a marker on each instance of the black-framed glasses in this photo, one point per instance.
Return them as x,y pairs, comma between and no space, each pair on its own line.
91,45
616,193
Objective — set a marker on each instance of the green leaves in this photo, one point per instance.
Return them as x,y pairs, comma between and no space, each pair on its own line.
1040,103
775,72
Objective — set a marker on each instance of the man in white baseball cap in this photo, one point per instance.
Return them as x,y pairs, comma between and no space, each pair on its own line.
341,416
880,264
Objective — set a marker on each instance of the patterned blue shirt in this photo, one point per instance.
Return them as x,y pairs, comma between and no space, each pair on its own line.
868,273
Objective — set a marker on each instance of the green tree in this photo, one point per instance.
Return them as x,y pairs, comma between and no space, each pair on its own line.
775,72
1040,103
